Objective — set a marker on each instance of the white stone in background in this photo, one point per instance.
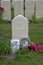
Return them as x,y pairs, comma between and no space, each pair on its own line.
39,8
18,7
6,15
20,27
15,44
29,8
5,0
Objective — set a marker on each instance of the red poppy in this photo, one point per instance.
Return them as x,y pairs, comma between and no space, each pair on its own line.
1,9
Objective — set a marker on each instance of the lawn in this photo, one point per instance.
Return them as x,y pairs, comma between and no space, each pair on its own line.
25,57
5,29
35,31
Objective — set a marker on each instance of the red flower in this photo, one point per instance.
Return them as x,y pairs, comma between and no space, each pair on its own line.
1,9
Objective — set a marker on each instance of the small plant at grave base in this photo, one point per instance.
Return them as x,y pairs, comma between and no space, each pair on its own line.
23,51
33,19
5,47
1,11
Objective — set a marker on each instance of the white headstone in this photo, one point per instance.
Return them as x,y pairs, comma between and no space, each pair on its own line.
19,27
29,8
6,15
39,8
18,7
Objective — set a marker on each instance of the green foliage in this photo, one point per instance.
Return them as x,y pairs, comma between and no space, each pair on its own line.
0,17
24,56
5,36
40,20
32,58
36,20
36,32
23,51
5,48
12,12
33,20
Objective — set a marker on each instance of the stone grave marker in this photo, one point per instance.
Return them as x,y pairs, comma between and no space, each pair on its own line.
6,15
29,8
20,30
19,27
18,7
39,8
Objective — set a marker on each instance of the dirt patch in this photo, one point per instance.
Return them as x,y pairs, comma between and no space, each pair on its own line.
8,57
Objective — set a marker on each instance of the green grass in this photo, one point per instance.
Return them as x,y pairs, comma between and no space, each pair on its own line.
25,57
36,32
6,29
0,17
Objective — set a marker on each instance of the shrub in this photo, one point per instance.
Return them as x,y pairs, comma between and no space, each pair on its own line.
33,19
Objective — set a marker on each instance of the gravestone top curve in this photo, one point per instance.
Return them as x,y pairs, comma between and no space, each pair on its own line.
19,17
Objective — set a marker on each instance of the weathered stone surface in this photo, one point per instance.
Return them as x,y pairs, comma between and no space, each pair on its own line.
18,7
19,27
6,15
29,8
39,8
